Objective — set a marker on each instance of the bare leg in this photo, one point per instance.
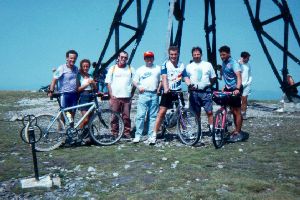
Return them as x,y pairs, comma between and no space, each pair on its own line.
237,118
160,116
244,103
85,121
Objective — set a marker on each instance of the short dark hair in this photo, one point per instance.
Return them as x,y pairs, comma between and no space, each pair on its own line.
71,52
245,54
224,49
84,61
196,49
123,51
173,48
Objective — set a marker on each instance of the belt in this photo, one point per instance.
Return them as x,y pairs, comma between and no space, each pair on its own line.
86,92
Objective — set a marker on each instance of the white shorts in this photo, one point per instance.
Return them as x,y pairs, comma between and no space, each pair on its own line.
246,90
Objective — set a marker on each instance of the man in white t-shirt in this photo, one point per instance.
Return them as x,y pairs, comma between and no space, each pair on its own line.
200,77
146,80
172,74
121,90
246,81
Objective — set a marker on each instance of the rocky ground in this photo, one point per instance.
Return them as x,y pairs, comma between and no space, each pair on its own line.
266,166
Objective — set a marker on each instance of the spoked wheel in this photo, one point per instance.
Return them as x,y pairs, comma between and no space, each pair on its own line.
188,127
51,132
106,127
218,130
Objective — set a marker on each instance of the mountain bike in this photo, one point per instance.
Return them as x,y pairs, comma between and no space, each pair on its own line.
223,118
188,127
54,132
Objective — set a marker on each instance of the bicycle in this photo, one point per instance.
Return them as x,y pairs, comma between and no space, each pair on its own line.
187,123
222,123
54,132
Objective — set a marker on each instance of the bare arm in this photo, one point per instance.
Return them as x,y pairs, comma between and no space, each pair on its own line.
141,89
238,83
109,90
165,83
52,86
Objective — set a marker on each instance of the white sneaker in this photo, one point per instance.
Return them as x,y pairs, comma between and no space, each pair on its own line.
136,140
151,140
217,137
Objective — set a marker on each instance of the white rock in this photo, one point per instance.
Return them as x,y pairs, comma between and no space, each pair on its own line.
241,150
164,158
126,166
77,168
115,174
91,169
220,166
296,152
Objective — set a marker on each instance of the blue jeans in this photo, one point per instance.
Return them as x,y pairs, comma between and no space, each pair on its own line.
148,102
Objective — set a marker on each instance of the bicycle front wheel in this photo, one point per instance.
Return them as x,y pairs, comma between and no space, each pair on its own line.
51,131
106,127
218,130
188,127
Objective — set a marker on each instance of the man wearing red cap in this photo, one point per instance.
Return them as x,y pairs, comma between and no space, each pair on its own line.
146,80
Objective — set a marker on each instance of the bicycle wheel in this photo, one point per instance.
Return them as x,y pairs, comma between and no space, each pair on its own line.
188,127
101,130
52,132
218,130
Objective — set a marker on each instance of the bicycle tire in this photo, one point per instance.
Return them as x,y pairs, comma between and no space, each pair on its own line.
188,127
100,128
52,132
218,130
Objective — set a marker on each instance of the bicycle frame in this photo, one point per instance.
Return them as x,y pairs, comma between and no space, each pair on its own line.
62,111
177,112
224,118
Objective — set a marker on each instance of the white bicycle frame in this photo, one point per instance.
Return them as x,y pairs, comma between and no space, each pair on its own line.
64,110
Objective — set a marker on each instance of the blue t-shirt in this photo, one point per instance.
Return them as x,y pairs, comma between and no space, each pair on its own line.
66,78
174,74
229,67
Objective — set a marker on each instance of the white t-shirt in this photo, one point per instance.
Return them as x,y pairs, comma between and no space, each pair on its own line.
120,80
174,74
148,77
246,74
200,73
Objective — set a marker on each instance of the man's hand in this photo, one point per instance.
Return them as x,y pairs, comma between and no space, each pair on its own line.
236,92
141,90
191,87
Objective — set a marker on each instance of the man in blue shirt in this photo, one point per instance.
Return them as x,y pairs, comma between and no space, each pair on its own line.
231,71
66,76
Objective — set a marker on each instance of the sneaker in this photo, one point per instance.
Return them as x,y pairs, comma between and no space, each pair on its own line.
136,140
127,136
218,137
236,137
151,140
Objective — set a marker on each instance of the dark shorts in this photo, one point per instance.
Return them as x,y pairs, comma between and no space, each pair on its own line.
168,99
234,101
69,100
201,99
85,97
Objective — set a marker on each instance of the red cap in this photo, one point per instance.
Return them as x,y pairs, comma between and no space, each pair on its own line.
148,54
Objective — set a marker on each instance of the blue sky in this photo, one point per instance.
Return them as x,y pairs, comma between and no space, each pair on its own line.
35,35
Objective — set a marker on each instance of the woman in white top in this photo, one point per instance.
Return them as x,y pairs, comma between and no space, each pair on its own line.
86,85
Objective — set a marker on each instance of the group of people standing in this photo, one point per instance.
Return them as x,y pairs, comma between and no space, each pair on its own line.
150,79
